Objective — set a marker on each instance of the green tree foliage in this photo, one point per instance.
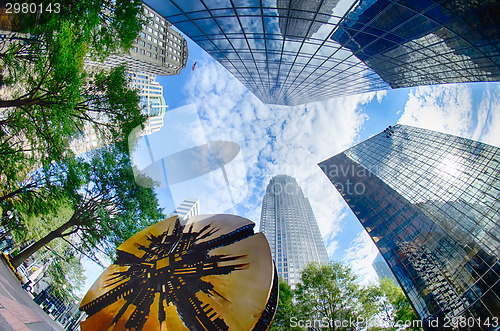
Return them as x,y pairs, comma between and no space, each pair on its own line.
34,224
33,123
48,98
41,134
107,26
285,310
370,299
329,292
62,268
329,297
394,307
48,95
66,275
107,205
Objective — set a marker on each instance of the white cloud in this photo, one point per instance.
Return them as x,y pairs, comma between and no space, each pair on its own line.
331,247
278,140
381,95
492,135
488,130
482,115
331,244
360,257
452,109
444,108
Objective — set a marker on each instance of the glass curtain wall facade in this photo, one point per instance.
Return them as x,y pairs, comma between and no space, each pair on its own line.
288,222
430,202
425,42
382,269
292,52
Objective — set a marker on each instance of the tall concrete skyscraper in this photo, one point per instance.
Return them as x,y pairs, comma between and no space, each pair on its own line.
292,52
288,222
430,202
159,49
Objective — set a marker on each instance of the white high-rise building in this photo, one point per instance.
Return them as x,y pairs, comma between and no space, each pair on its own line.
158,49
188,208
288,222
151,94
152,103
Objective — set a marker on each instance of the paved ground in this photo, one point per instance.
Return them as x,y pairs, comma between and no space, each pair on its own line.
18,312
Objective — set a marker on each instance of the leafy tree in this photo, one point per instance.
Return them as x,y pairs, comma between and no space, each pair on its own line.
108,26
29,133
329,292
395,304
285,310
107,205
120,117
41,134
66,272
370,298
34,223
391,306
49,95
43,121
62,268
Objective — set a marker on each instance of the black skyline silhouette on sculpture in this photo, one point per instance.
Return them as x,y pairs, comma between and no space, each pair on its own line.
172,265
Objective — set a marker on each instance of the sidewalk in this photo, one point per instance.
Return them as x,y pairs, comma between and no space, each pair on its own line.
18,312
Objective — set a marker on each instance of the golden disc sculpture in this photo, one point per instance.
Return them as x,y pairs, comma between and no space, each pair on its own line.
212,273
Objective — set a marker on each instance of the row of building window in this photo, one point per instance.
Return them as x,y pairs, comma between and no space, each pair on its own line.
151,14
155,56
174,48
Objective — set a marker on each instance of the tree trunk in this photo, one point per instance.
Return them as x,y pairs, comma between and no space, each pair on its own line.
17,102
3,235
28,251
16,192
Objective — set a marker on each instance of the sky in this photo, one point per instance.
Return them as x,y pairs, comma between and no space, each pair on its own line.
208,104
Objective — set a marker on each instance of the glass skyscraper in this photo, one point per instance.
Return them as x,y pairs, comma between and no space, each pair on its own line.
430,202
292,52
288,222
382,269
424,42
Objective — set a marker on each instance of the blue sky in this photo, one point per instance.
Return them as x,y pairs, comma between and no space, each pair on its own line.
209,104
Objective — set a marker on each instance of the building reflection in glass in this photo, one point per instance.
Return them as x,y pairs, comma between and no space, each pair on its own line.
424,42
430,203
292,52
296,21
280,50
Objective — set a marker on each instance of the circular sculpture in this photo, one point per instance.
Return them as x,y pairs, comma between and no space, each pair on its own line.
212,273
